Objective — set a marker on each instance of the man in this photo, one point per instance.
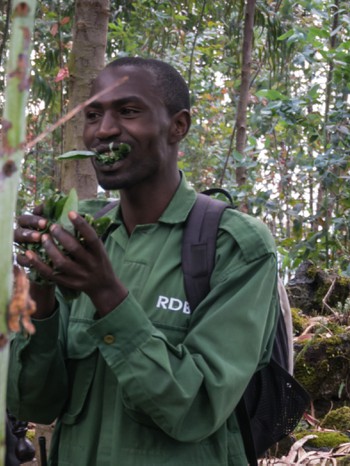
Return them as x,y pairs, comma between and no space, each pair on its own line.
132,379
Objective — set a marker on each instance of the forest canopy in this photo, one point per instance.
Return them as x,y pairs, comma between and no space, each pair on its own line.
296,153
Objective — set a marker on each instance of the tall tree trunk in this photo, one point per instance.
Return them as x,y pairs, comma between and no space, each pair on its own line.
87,59
241,120
325,202
11,156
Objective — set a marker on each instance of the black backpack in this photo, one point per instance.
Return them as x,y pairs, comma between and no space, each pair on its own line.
274,402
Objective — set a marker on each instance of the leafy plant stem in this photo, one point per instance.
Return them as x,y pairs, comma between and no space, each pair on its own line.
11,156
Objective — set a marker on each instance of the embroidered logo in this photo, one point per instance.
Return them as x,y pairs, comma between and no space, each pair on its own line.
173,304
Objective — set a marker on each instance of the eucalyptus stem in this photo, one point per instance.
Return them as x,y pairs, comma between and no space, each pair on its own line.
11,156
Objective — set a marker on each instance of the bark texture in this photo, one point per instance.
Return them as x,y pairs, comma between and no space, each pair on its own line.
87,59
241,121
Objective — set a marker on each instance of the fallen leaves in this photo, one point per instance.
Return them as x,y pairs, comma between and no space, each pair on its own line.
299,456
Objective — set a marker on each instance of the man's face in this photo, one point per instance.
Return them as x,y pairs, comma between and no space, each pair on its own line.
134,114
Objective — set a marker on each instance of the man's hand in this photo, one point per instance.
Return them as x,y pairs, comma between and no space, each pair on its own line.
29,231
81,265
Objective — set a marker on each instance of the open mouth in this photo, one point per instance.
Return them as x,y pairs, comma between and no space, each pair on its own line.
115,153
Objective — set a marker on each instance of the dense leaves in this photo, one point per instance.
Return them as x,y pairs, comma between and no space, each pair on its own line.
297,151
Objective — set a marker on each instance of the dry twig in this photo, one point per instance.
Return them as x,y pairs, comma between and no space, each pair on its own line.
21,306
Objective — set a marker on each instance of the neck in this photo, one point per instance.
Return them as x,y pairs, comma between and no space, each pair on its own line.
144,206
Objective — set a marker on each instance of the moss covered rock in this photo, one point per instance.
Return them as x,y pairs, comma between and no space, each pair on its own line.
323,439
338,419
311,285
299,321
322,366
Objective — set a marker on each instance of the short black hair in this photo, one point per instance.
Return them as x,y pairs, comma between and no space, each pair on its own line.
169,82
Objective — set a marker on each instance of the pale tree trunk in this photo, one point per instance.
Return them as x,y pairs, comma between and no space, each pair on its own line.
241,121
86,60
11,156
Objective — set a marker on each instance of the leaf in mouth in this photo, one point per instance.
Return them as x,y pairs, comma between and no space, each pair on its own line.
114,154
76,155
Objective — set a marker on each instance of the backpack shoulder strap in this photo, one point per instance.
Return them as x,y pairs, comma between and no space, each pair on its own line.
215,191
106,209
199,246
198,260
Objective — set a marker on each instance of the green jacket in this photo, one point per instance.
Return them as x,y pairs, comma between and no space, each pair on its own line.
153,383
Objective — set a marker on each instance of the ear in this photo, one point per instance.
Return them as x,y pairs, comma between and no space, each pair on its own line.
180,124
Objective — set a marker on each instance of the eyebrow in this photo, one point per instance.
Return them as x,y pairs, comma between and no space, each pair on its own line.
120,102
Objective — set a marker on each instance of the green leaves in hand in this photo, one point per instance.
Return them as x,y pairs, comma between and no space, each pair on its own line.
55,210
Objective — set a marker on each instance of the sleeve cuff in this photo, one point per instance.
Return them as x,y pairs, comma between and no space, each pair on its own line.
124,329
46,332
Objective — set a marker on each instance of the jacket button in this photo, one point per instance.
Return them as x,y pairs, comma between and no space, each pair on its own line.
109,339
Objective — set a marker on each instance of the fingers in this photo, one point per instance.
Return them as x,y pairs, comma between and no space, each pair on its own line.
23,235
23,260
88,234
68,245
78,249
69,261
34,222
32,260
29,229
60,262
56,269
38,209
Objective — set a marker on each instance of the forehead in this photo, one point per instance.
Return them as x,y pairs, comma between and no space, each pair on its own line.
128,80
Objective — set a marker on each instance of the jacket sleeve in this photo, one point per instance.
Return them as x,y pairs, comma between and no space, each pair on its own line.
37,381
191,389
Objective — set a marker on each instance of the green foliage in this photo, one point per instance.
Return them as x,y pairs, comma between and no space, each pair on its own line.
297,151
55,209
48,98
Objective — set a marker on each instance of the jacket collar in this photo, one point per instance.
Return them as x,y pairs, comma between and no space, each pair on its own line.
177,210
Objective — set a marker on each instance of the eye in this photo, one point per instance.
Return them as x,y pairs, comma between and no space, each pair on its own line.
91,116
129,112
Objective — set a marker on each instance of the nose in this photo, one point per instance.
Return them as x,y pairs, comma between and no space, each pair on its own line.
109,127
